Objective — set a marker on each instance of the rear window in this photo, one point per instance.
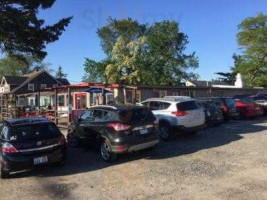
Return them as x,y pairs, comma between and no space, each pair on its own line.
230,102
188,105
157,105
136,115
33,132
207,104
246,101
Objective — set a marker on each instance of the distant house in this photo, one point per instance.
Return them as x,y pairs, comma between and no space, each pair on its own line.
204,83
9,83
25,88
238,83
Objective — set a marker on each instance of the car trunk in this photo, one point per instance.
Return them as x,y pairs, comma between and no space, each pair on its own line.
194,114
29,139
140,119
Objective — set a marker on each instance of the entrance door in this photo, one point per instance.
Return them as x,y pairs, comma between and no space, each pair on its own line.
80,101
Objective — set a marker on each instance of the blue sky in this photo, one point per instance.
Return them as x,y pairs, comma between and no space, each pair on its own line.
211,26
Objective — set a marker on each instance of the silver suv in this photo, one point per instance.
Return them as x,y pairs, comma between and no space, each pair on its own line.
178,113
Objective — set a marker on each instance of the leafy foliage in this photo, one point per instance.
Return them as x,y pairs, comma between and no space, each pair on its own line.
142,54
16,66
22,32
60,73
95,71
230,77
11,66
252,38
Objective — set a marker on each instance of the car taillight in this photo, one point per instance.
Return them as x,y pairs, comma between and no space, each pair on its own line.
62,140
224,108
121,148
180,113
119,126
9,148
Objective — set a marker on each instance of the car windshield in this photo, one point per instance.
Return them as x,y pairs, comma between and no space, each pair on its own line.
136,115
230,102
188,105
33,132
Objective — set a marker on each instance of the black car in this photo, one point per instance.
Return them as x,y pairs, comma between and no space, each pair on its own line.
115,129
227,105
213,113
29,142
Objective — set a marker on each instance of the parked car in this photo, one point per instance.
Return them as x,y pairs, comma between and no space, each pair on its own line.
213,113
227,104
248,108
261,100
29,142
176,114
115,129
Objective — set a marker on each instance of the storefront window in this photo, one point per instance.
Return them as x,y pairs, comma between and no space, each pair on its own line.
61,100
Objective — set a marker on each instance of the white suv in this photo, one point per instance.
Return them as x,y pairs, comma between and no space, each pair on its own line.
176,113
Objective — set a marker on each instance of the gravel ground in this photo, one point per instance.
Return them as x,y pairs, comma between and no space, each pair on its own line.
226,162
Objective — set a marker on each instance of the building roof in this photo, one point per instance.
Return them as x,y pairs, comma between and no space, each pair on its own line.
33,75
207,83
14,80
63,81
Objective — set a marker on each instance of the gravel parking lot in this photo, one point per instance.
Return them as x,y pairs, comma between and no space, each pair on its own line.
226,162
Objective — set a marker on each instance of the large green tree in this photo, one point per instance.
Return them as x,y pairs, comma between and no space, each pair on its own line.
143,54
252,38
12,66
15,66
21,30
95,71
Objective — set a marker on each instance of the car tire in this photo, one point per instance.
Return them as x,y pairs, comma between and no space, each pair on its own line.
106,153
72,141
4,174
165,131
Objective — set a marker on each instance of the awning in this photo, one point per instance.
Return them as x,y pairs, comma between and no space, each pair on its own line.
97,90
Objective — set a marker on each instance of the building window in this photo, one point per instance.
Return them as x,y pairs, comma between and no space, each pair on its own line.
31,101
31,87
55,85
43,86
61,100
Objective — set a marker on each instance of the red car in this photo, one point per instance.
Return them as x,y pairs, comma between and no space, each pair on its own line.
248,108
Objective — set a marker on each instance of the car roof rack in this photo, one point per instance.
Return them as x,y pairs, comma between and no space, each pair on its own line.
178,98
105,106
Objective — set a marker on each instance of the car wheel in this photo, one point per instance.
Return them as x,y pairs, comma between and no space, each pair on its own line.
165,132
4,174
73,141
106,153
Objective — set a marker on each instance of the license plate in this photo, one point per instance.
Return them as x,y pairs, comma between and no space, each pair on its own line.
143,131
40,160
